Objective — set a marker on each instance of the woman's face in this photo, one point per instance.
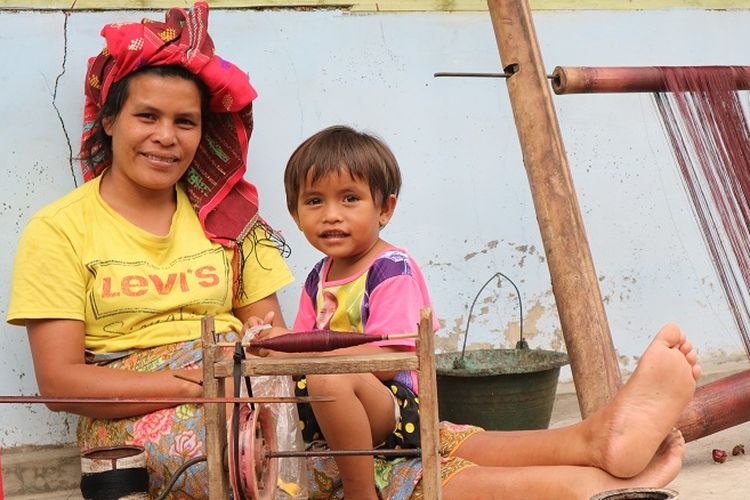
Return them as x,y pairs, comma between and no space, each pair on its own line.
156,133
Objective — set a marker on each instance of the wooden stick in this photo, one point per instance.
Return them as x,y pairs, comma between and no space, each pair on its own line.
165,400
428,407
214,414
593,361
404,452
188,379
388,336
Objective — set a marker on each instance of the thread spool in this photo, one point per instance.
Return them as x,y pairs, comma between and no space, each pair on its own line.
114,473
637,494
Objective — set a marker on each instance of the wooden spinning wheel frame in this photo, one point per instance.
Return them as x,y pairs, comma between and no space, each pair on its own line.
257,439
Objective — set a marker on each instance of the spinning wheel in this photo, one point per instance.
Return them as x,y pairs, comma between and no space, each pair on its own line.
257,440
256,436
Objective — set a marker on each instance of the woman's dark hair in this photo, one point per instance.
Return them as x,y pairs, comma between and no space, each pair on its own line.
99,145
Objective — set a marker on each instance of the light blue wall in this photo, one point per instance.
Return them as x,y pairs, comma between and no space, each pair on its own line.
465,211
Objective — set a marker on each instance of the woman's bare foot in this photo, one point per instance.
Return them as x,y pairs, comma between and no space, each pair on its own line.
563,482
630,429
665,465
660,471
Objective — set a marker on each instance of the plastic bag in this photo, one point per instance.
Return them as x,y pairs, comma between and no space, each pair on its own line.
292,480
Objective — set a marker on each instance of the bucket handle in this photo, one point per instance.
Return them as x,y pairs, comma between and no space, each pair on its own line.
521,344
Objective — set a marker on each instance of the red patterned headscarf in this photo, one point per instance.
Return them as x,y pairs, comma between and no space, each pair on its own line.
226,204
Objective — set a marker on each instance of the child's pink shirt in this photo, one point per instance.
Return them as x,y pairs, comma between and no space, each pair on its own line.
384,298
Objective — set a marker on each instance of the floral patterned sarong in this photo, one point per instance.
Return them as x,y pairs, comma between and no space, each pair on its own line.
170,436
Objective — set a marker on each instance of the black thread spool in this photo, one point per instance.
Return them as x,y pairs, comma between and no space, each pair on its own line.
114,473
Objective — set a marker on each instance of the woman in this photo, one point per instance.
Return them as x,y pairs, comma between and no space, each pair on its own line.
164,232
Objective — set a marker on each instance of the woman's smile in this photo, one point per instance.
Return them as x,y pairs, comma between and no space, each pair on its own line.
165,160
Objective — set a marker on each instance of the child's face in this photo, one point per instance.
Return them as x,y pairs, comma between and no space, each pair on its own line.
339,216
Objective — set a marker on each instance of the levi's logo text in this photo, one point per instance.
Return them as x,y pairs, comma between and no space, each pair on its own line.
126,287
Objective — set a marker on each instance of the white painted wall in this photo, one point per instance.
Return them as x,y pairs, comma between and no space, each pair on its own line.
466,208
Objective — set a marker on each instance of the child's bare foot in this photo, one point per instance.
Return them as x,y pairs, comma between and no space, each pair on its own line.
631,428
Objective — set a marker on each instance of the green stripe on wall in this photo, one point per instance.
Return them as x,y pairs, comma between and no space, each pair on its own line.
382,5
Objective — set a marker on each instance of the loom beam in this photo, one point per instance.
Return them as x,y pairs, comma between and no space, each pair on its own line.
716,406
593,362
620,79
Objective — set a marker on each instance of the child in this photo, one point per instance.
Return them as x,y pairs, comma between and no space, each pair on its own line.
341,188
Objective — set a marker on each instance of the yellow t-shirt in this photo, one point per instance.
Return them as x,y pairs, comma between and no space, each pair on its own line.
79,259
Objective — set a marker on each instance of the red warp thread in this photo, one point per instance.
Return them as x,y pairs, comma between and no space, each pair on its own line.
708,130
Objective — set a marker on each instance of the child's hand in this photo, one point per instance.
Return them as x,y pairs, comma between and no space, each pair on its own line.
254,323
261,329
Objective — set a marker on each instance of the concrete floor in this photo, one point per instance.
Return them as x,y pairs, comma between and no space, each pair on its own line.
53,473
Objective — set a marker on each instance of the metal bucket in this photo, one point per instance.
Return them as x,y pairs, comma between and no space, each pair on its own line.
498,389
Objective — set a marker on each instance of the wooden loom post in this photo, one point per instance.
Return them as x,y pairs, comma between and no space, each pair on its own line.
583,320
215,414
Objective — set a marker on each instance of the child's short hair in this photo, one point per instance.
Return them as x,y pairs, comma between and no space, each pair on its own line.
364,156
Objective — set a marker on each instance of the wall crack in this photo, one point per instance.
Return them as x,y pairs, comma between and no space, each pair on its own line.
66,15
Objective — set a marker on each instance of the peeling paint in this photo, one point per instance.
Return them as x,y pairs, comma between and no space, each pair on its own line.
490,245
503,335
432,263
626,362
450,340
558,341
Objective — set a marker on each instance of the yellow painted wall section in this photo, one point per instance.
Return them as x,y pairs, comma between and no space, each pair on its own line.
378,6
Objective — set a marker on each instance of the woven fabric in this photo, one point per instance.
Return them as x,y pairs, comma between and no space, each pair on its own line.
226,204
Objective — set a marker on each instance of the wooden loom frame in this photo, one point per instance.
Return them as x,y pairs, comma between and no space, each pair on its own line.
716,406
593,361
216,368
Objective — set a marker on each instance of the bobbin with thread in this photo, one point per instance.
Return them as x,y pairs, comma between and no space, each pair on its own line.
114,473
